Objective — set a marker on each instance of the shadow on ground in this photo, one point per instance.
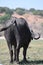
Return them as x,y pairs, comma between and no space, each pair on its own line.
31,62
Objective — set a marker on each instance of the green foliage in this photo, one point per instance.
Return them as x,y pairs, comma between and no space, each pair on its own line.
36,12
32,10
4,18
6,10
20,11
8,13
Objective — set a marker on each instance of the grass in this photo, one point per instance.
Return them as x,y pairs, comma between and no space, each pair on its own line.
34,53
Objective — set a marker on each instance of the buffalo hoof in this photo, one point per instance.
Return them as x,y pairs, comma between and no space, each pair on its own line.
11,61
17,61
25,60
14,59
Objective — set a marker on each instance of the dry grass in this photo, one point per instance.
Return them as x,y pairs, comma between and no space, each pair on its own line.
34,54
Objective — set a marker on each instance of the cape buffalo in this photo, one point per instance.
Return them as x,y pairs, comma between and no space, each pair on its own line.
18,34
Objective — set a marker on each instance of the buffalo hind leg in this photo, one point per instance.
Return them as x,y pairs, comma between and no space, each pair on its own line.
17,54
11,52
14,53
24,54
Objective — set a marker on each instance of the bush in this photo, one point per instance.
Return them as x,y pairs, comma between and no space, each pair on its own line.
6,10
4,18
20,11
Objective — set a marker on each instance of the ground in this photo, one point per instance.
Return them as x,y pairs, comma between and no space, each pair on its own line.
34,53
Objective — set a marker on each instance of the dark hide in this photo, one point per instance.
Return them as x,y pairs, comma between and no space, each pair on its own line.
18,35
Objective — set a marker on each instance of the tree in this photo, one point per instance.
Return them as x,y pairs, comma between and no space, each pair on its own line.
20,11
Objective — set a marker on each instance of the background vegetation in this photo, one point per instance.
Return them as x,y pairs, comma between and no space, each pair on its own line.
8,12
22,11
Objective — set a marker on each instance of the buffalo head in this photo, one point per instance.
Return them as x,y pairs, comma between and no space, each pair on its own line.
35,35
